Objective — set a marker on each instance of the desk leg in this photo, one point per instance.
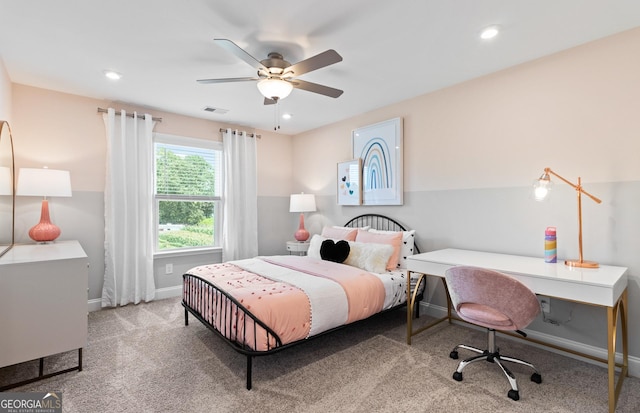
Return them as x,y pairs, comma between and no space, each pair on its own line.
446,291
620,308
411,302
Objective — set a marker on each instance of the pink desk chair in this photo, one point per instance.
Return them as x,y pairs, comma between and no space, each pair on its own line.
495,301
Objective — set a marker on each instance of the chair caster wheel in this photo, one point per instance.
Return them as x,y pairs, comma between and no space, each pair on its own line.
454,355
536,378
513,395
457,376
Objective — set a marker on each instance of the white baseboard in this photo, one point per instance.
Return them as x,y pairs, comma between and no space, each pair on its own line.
95,304
161,293
169,292
634,362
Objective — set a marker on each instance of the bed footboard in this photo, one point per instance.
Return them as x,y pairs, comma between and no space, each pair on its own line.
225,316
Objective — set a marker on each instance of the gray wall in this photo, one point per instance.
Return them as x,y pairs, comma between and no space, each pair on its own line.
510,221
81,217
504,220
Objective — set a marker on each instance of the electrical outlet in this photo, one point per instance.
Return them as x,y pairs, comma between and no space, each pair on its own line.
545,304
168,269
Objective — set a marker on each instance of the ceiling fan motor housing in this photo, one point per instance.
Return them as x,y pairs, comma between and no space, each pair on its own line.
275,63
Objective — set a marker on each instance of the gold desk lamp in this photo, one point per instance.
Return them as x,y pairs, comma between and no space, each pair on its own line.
542,186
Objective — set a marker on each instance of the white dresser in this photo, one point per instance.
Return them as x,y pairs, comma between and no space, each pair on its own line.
43,301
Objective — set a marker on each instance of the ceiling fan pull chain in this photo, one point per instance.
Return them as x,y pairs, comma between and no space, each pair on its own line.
276,114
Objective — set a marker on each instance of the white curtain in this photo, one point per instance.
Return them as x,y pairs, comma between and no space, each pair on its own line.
240,195
128,210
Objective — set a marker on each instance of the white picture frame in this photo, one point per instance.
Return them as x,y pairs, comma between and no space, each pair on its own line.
380,149
348,182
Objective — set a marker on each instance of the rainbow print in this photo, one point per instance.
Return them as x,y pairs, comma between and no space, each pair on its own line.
377,172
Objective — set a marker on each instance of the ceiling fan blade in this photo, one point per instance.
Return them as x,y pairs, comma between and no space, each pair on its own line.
318,61
268,101
230,46
316,88
227,80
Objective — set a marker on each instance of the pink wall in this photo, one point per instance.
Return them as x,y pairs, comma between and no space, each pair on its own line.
575,111
65,131
472,151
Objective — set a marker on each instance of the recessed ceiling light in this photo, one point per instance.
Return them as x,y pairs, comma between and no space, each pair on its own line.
489,33
286,116
110,74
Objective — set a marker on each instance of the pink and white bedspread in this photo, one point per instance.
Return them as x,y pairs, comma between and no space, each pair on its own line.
296,297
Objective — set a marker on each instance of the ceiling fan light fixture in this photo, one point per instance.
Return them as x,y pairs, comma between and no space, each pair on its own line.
275,88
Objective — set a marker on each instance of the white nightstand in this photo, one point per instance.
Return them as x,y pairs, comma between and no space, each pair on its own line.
297,247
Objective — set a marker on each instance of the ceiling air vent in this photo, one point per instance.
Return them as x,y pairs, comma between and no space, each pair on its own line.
218,111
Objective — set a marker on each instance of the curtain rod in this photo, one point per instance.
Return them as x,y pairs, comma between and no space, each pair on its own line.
130,115
251,135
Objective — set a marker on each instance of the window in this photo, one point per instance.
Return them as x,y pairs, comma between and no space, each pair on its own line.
188,182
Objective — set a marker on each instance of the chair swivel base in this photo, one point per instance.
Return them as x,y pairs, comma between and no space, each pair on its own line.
494,357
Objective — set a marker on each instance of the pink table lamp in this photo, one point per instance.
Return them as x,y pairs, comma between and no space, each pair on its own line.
44,182
302,203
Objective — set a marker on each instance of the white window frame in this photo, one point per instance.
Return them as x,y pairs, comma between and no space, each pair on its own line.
217,200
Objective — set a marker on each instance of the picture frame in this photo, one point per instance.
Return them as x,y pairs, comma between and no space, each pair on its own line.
380,149
349,180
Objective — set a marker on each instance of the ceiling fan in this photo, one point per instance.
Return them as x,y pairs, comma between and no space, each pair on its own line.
277,77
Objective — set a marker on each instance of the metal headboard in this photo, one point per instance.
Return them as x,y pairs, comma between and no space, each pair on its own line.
381,222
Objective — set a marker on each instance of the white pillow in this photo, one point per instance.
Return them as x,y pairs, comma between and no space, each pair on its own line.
364,255
316,243
314,246
406,247
369,256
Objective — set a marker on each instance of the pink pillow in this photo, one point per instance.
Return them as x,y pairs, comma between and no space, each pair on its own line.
393,239
347,234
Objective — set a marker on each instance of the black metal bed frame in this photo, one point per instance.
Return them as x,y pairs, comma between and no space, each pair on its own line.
201,297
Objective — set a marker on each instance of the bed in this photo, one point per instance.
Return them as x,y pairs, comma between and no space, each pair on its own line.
264,305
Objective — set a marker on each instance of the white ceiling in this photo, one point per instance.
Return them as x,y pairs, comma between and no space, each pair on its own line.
392,50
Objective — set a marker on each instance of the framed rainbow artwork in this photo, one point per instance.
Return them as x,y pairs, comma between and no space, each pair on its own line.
379,147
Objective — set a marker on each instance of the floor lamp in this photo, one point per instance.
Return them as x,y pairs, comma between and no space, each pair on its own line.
542,186
44,182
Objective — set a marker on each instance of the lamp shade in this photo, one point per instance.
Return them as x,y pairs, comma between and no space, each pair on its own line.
5,181
43,182
302,203
275,88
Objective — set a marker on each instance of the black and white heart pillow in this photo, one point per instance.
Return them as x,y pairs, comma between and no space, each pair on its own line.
334,251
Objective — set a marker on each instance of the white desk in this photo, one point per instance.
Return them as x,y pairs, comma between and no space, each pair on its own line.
604,287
